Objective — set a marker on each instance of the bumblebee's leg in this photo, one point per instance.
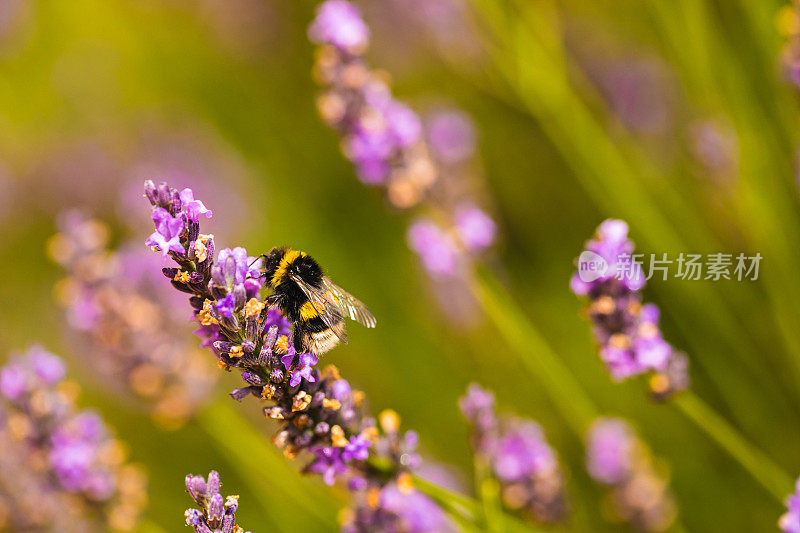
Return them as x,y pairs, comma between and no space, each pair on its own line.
274,299
297,338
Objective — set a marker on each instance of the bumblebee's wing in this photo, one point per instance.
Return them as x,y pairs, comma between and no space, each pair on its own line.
349,304
327,308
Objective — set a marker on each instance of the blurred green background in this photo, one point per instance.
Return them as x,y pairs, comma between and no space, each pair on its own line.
584,110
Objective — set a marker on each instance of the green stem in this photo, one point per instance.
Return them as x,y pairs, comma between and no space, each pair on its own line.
761,467
489,491
565,391
467,508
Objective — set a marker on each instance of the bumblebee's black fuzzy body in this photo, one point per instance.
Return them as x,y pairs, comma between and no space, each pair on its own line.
282,266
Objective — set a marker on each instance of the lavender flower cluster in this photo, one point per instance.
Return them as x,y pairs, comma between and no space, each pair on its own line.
617,459
60,468
216,515
520,458
118,309
627,331
418,163
318,411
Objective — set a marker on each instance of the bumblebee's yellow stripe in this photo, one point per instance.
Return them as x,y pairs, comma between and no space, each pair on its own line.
287,259
308,311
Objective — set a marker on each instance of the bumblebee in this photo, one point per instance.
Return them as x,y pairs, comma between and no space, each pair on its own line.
314,304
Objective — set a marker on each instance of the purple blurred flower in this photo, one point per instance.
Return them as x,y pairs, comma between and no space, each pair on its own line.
339,23
435,248
475,228
519,457
59,457
609,452
630,339
328,463
451,136
617,459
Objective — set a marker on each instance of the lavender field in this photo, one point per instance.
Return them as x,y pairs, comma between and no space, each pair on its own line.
399,266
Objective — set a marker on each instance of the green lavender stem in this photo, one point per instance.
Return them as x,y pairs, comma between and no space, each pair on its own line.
568,395
533,351
468,508
761,467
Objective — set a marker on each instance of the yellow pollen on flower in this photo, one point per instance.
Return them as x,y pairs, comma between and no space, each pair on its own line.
182,277
603,305
358,397
205,314
301,401
659,383
371,434
268,392
332,403
405,483
648,330
331,371
389,420
253,307
231,500
282,344
238,529
374,497
236,352
337,436
200,251
224,366
290,452
620,340
302,421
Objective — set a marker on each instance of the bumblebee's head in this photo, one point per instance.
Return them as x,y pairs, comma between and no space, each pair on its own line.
272,261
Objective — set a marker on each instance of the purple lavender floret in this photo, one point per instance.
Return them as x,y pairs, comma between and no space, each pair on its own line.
475,228
628,334
216,514
610,451
436,249
339,23
518,456
618,460
790,520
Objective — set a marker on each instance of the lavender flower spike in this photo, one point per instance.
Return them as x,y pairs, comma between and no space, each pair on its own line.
216,515
627,331
121,291
60,468
617,459
520,458
319,414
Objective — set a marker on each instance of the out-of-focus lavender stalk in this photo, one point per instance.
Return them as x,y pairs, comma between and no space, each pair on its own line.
626,330
216,515
789,25
425,165
60,468
519,457
117,304
318,412
617,459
